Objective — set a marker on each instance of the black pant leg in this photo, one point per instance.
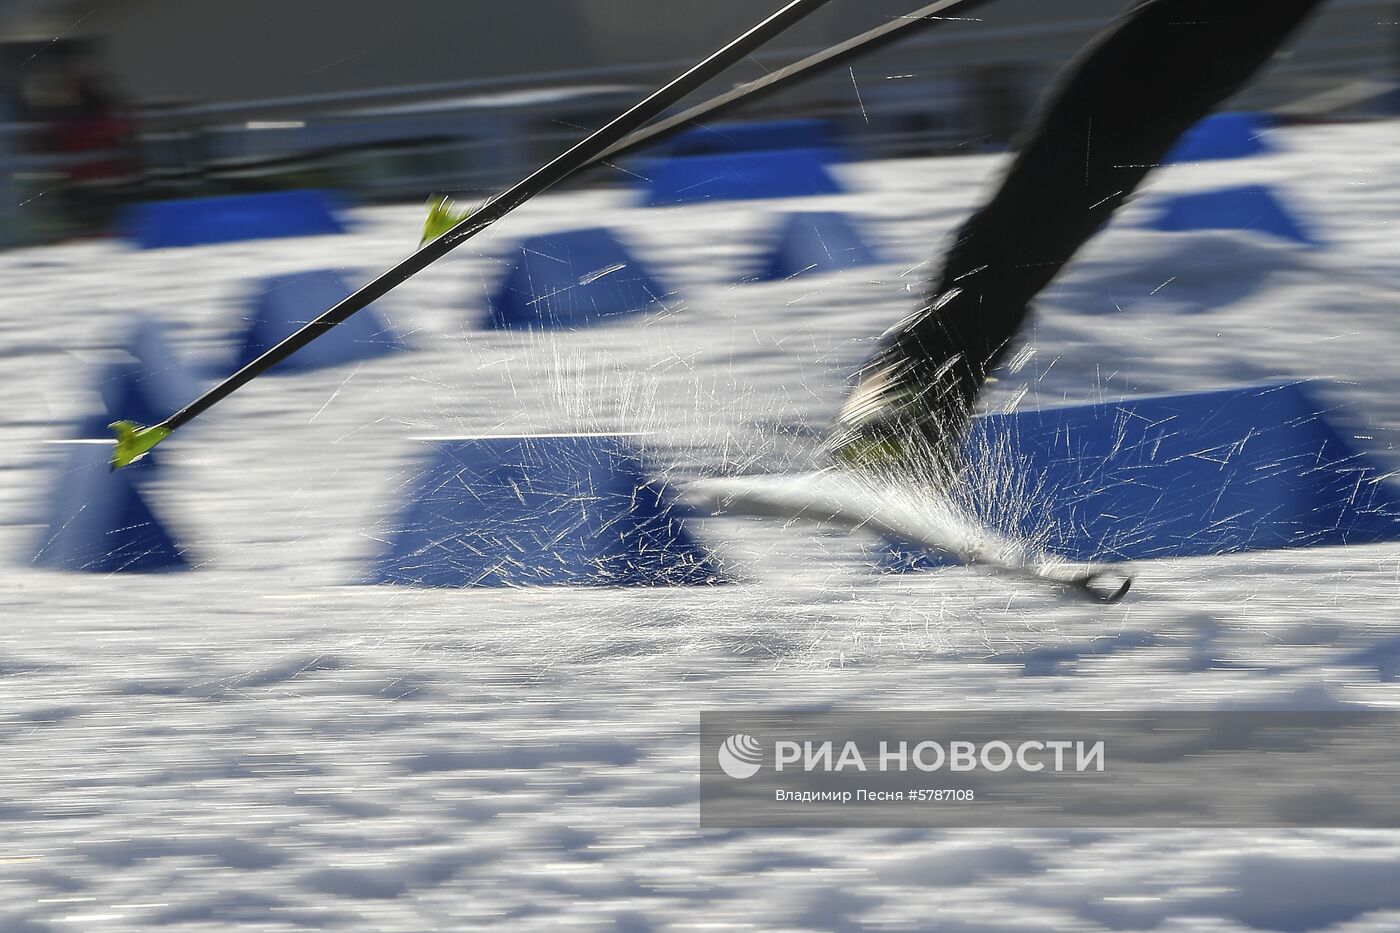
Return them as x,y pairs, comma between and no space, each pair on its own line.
1114,114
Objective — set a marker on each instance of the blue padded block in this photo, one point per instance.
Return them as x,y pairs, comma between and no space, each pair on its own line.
1252,468
99,522
740,176
286,303
549,510
198,221
755,137
147,385
814,243
1251,207
1224,136
572,279
1386,103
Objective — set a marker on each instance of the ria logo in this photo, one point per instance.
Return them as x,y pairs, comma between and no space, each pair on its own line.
740,756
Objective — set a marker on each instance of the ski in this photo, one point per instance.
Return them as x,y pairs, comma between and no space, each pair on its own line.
838,499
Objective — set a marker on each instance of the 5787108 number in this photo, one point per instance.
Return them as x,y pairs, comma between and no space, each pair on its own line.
940,795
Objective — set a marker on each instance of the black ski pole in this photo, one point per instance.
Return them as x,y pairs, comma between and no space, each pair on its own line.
834,57
444,216
135,441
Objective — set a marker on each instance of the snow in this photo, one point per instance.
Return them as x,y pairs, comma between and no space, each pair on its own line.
258,745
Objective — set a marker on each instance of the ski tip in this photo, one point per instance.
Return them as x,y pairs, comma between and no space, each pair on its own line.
442,217
134,441
1106,586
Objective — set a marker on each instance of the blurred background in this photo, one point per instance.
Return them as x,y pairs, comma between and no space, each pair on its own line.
155,99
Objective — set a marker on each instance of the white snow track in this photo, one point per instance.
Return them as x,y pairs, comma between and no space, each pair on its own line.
255,745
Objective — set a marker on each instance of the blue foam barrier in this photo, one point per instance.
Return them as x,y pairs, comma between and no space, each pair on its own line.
1224,136
1254,208
812,243
755,137
147,384
741,176
546,510
99,522
284,304
1386,103
572,279
231,218
1185,275
1243,469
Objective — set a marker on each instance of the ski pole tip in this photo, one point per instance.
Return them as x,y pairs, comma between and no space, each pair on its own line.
134,441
